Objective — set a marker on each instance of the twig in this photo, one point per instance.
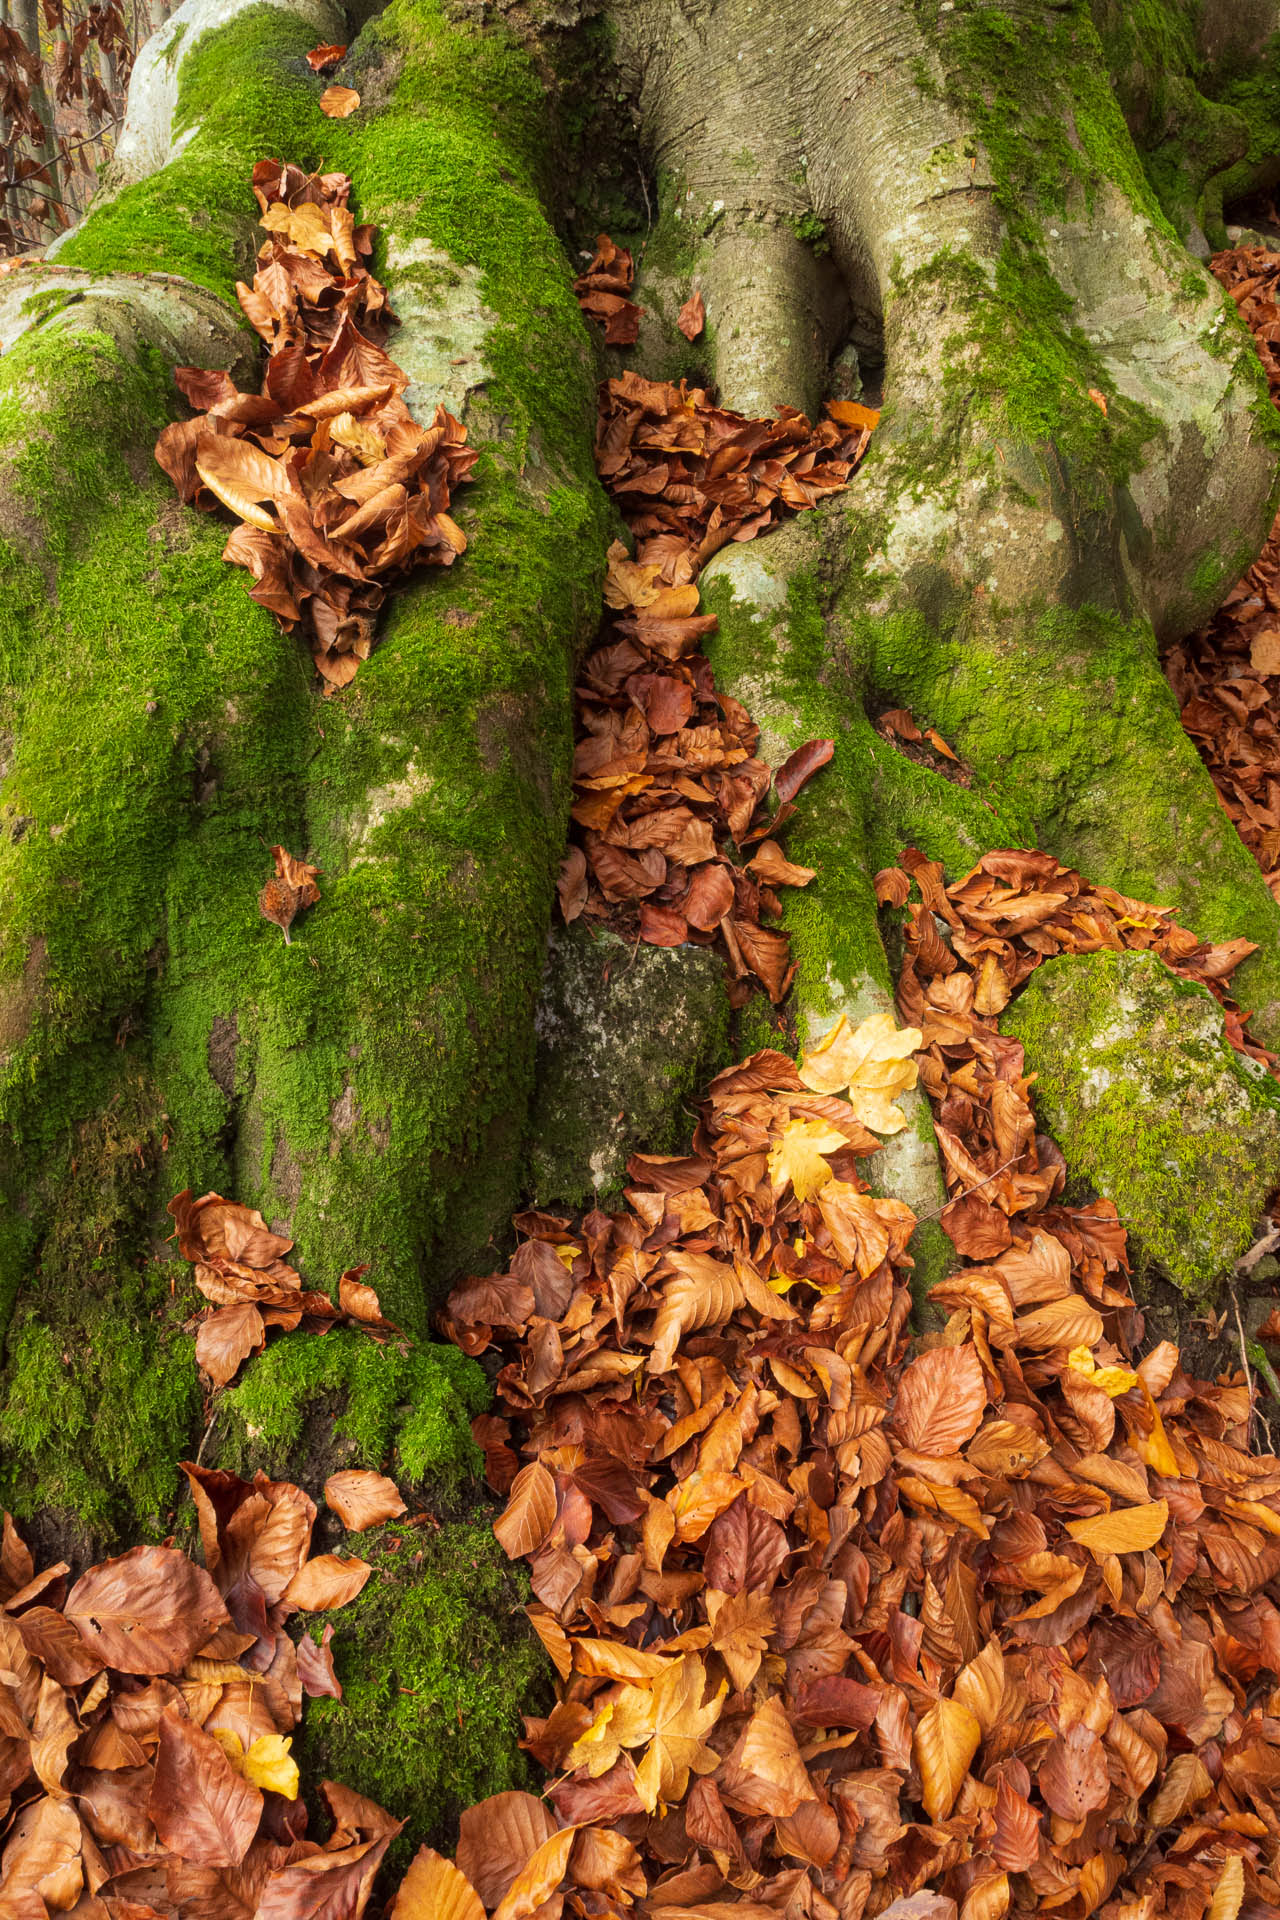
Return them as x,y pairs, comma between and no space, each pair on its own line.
938,1211
215,1407
1244,1361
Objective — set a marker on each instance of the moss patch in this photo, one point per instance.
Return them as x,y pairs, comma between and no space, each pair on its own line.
404,1411
1152,1105
437,1662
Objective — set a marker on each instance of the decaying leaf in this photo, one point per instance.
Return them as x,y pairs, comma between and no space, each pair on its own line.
293,888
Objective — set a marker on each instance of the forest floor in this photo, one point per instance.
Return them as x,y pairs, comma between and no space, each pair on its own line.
846,1618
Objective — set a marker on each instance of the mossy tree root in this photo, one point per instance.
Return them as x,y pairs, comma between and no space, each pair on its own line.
366,1086
1076,456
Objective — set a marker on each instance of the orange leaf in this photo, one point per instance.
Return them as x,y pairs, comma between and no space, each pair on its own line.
326,1582
433,1889
946,1739
338,102
692,316
1127,1530
362,1499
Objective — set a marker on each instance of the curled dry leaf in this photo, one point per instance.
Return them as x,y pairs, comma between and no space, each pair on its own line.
323,59
692,316
293,888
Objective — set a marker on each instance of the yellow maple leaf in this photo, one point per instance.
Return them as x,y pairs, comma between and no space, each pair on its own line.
1113,1380
872,1062
669,1719
797,1156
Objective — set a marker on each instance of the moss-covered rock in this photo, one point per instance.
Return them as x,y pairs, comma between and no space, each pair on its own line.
437,1662
309,1406
1151,1104
626,1038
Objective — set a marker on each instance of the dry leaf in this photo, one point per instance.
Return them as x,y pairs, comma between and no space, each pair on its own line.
362,1499
339,102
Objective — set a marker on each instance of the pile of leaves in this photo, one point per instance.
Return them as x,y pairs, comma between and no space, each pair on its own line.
339,492
843,1632
1227,678
148,1710
603,293
240,1267
667,786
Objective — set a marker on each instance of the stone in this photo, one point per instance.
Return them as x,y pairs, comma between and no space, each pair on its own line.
627,1037
1152,1105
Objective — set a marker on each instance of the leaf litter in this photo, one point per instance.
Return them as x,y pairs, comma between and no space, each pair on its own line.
668,788
148,1714
845,1625
1227,677
338,491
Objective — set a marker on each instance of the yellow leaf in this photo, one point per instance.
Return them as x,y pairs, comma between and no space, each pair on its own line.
872,1061
797,1156
1153,1449
270,1765
339,102
627,583
538,1879
1112,1380
852,413
359,438
434,1889
1127,1530
946,1739
1228,1895
266,1764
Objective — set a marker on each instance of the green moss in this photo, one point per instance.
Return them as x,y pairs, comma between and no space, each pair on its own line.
101,1402
437,1663
397,1408
1152,1105
1048,703
371,1078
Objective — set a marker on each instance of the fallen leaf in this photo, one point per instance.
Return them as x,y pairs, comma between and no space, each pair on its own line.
339,102
362,1499
326,1582
200,1806
692,316
434,1889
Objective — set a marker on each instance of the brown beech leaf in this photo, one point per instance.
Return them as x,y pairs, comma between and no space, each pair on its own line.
333,1885
228,1337
434,1889
315,1666
339,102
1072,1776
538,1879
201,1808
362,1499
293,888
323,59
529,1514
147,1611
692,316
941,1400
496,1840
801,766
326,1582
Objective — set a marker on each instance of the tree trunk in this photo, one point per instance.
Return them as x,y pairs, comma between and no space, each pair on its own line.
1077,459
